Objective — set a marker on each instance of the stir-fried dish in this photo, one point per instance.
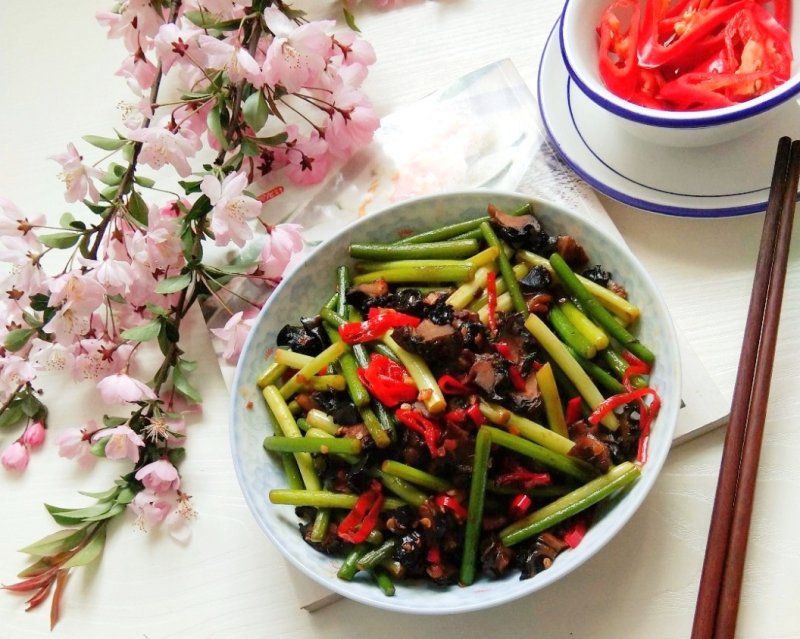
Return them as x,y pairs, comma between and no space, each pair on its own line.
461,404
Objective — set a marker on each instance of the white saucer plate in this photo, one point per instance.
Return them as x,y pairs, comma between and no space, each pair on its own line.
731,178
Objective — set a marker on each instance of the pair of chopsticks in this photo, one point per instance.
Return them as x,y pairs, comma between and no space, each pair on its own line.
721,579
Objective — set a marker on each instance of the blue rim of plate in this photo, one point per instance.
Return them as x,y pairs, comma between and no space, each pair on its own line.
621,196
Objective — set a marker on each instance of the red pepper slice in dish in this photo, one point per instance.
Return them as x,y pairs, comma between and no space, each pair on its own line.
377,323
448,502
387,380
362,519
619,32
697,22
417,422
491,294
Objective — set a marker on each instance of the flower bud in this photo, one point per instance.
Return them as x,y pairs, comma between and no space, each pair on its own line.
15,457
33,436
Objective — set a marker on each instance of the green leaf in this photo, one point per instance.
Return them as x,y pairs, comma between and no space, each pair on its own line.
188,365
115,510
98,448
66,219
77,516
125,496
350,20
40,302
96,208
155,309
12,415
146,182
30,320
60,240
272,140
214,122
16,339
107,144
201,206
174,284
104,495
109,421
256,111
144,332
110,179
90,551
176,456
55,543
31,405
183,386
249,148
137,208
202,19
190,186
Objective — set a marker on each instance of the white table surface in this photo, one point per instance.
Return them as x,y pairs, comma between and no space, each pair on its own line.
57,80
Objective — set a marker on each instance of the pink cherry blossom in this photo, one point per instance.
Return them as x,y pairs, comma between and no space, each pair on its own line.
232,208
349,49
98,357
174,44
77,291
149,508
123,443
161,147
77,176
298,54
352,123
67,324
34,434
115,276
233,59
159,476
15,370
15,457
14,224
235,332
49,356
75,443
281,245
121,388
308,158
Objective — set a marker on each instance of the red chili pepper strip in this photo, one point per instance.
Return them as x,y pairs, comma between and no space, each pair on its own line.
575,532
448,502
475,414
491,294
573,412
387,380
517,381
434,555
362,519
647,415
527,478
615,401
504,350
653,52
617,56
419,423
451,386
378,322
519,506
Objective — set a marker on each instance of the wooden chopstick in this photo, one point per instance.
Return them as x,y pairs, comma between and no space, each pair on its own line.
720,582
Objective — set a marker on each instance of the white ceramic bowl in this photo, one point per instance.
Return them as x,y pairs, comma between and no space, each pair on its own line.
311,285
578,39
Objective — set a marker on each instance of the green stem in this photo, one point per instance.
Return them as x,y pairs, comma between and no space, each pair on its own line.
477,494
453,249
571,504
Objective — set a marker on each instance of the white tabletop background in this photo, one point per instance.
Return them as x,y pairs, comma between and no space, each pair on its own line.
56,74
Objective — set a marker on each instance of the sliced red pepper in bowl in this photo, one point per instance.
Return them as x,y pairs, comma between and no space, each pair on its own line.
619,32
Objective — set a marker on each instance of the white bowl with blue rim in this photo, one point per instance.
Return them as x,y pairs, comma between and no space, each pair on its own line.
305,291
579,48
